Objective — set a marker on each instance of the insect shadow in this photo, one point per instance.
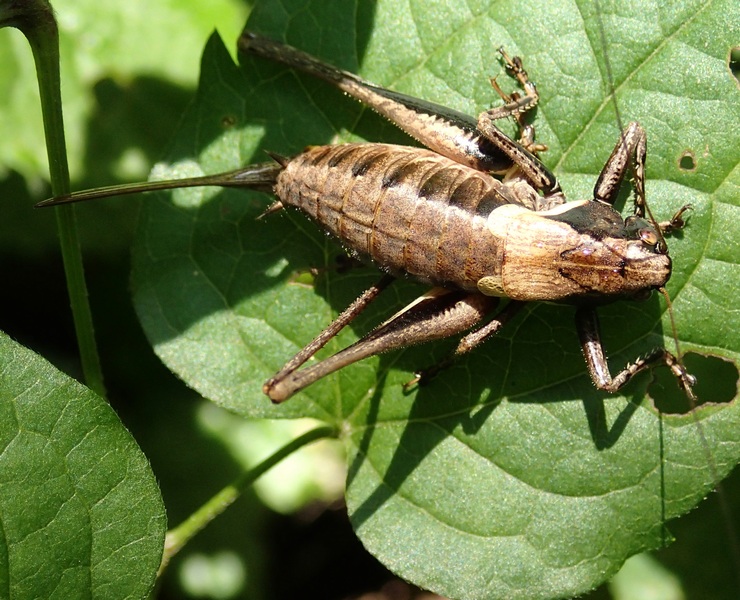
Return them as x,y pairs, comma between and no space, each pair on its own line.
462,401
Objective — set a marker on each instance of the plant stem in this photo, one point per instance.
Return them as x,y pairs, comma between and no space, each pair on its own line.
35,19
176,538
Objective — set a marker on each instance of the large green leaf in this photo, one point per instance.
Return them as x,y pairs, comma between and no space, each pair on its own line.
509,475
81,513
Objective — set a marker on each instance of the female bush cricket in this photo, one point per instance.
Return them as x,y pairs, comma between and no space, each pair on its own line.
440,216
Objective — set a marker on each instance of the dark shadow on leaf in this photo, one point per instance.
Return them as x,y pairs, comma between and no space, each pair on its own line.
139,116
421,435
463,397
363,446
604,436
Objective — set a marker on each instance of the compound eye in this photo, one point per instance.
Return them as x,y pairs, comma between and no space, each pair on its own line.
648,236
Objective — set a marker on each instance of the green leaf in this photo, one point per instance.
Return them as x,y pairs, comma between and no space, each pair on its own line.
509,475
81,512
121,48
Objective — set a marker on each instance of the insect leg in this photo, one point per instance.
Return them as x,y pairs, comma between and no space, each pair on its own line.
442,129
344,319
676,221
469,342
526,130
587,324
531,167
438,314
515,104
632,146
520,153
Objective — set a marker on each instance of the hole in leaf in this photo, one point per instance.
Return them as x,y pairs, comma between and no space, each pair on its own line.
734,63
304,277
687,162
716,383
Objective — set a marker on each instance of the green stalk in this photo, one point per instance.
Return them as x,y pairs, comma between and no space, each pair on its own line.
35,19
180,535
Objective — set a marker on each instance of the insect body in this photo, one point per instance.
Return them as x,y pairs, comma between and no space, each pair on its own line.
417,213
440,216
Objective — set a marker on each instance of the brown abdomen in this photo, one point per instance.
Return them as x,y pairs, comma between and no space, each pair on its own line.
409,209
